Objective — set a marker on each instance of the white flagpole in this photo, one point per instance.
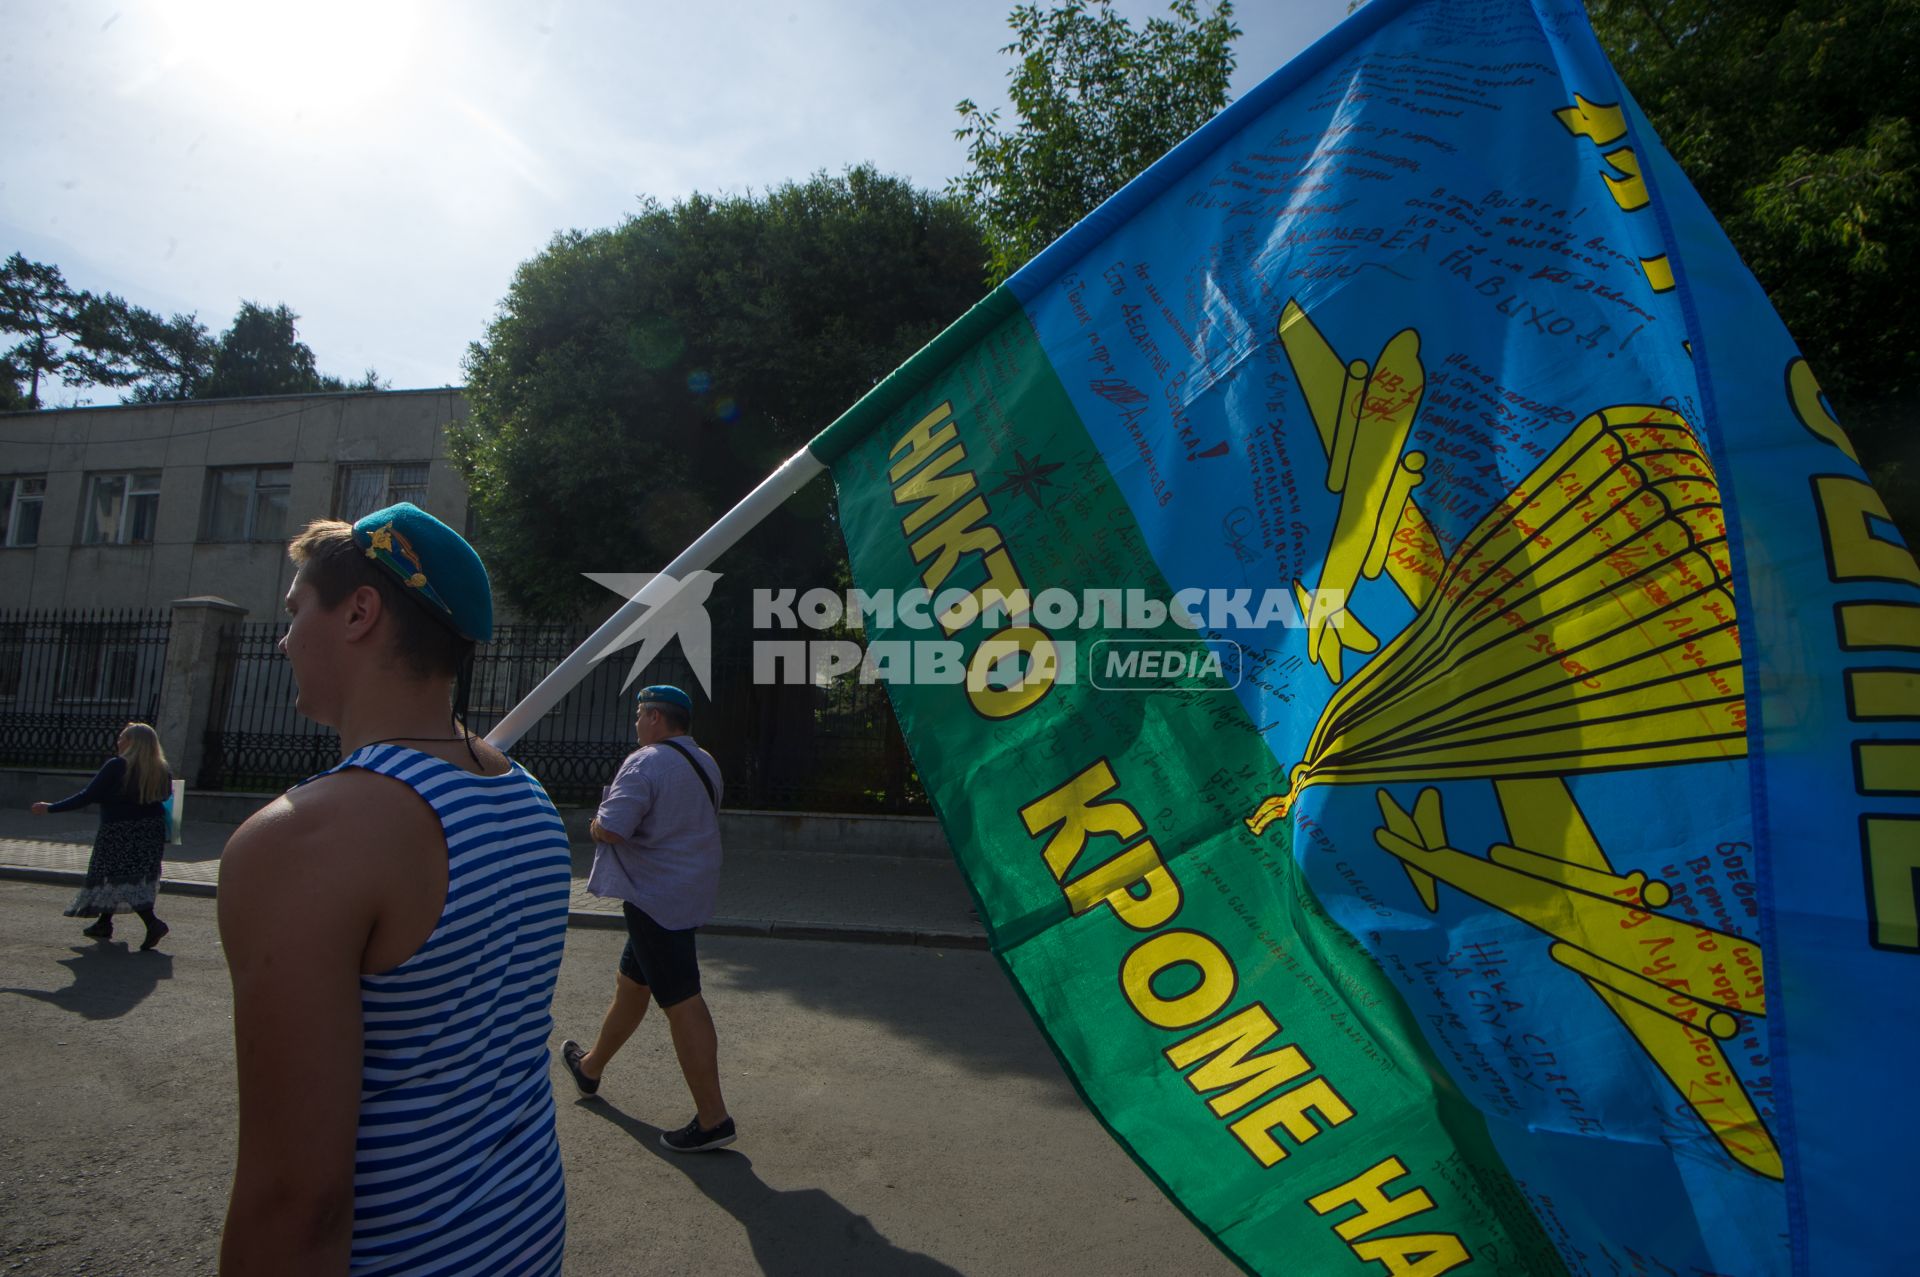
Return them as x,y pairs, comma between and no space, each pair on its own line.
794,473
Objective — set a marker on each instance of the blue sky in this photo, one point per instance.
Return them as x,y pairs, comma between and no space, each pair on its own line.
382,166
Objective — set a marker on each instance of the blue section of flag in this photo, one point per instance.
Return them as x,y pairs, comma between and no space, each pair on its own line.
1444,251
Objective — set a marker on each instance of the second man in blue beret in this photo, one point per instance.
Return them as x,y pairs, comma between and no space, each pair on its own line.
657,850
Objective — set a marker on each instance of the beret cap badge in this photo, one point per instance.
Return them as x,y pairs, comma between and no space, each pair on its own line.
435,562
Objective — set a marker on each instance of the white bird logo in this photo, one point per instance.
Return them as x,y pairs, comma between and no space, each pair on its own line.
674,607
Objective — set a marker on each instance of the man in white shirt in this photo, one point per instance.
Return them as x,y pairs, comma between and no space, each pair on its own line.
657,850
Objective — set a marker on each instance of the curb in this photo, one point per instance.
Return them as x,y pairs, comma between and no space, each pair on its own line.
76,878
848,933
598,920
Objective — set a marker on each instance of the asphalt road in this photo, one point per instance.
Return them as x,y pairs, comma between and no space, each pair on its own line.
899,1114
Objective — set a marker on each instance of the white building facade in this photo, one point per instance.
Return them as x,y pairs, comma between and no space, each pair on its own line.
135,506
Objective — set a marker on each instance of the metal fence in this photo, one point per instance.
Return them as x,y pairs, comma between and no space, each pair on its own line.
804,748
256,739
69,681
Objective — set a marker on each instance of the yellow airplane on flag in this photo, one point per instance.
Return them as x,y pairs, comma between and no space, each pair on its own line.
1364,416
1677,986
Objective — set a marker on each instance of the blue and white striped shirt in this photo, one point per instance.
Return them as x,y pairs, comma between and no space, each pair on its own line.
457,1165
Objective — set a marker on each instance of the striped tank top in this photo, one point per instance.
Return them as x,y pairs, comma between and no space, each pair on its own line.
457,1165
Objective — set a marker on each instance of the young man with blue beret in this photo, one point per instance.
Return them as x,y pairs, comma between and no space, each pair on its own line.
393,928
657,850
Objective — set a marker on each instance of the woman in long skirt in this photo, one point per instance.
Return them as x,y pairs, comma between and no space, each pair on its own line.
124,872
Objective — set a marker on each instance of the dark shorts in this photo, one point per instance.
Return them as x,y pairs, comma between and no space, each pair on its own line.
662,960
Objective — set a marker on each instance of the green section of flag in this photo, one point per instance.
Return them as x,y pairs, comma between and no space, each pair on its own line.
1343,1077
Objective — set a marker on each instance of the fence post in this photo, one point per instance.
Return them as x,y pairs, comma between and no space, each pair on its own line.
193,669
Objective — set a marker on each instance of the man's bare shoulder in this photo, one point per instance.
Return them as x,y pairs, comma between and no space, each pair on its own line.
333,825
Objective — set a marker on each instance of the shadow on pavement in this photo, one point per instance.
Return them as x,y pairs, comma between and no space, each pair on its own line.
110,978
975,1020
794,1232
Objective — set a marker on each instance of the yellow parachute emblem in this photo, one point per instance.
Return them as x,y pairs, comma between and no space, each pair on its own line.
1585,624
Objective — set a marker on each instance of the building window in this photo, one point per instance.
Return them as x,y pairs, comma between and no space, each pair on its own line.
121,508
247,503
364,489
20,502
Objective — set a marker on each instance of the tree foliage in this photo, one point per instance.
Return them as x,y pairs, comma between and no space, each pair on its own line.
1097,101
262,354
60,332
639,380
82,338
1794,119
175,357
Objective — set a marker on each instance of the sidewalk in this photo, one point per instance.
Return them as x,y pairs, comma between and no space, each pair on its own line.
790,894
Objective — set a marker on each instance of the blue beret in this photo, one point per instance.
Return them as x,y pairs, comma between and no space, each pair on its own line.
666,694
434,563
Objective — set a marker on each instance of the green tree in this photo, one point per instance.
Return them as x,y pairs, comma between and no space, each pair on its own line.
1098,100
368,380
88,339
39,308
123,345
1794,119
83,338
174,356
13,397
262,354
640,380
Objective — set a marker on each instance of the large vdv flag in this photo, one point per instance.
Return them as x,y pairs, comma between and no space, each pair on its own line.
1501,856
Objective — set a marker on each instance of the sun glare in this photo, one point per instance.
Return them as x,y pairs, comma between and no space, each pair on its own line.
310,61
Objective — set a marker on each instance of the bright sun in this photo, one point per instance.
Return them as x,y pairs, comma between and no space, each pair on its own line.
330,61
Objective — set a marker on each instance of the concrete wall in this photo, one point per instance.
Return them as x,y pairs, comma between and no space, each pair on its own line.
316,434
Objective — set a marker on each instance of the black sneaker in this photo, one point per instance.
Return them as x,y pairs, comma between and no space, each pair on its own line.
694,1138
571,1055
101,930
155,934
